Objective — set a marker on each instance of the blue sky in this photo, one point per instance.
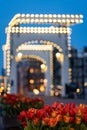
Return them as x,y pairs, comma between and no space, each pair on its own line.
9,8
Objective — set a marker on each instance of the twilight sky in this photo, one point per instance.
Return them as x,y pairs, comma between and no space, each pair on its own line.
9,8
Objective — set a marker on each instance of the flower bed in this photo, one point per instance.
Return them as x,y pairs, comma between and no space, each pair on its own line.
12,104
58,116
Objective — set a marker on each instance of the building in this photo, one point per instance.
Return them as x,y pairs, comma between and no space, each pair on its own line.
78,70
2,82
36,52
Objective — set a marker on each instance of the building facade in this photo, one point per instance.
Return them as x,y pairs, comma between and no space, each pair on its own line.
78,70
36,52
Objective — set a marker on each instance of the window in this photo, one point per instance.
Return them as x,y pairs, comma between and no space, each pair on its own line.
79,62
85,61
85,71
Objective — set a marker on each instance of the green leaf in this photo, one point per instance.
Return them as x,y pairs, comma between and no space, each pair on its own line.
26,128
83,127
29,126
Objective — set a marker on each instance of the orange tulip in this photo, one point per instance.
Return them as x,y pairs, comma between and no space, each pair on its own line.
78,120
66,119
54,114
52,122
59,118
36,121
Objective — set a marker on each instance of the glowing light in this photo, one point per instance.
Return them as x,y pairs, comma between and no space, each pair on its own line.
57,55
36,91
45,80
70,69
45,20
41,15
63,16
78,90
50,20
8,88
85,84
72,16
68,16
31,70
0,91
43,67
19,55
23,15
54,20
52,93
76,20
2,87
32,20
81,21
69,55
42,89
32,15
27,15
77,16
72,20
81,16
36,15
60,57
63,20
40,29
31,81
56,93
18,15
45,15
52,17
